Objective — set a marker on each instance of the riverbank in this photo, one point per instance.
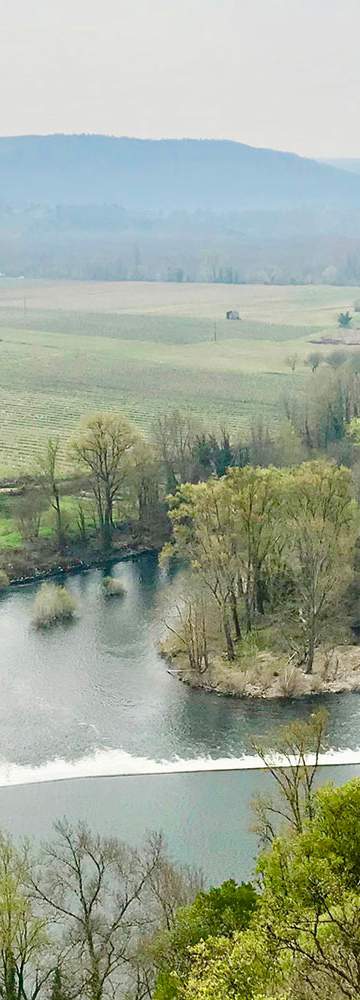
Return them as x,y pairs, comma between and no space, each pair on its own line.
42,561
267,676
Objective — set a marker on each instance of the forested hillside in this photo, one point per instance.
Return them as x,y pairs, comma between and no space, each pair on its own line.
92,206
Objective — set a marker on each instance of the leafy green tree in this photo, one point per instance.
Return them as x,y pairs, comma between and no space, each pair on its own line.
223,911
302,941
104,447
254,498
232,969
311,903
228,530
203,534
26,957
319,514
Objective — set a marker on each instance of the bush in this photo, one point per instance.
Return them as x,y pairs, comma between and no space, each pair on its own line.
113,587
4,580
52,604
344,319
291,682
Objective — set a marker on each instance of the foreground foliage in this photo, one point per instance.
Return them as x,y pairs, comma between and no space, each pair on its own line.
302,939
88,916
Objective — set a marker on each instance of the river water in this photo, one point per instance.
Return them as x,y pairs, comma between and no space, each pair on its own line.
94,698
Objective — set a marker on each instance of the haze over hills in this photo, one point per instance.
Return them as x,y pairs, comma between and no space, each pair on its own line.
93,206
352,165
163,175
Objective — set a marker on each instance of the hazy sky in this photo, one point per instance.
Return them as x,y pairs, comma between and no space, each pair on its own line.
280,73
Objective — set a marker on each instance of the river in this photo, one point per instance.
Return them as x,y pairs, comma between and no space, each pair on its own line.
94,699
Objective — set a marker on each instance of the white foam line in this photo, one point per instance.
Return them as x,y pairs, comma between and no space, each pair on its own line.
115,763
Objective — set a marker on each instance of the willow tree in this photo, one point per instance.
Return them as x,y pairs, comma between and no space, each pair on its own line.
320,521
104,447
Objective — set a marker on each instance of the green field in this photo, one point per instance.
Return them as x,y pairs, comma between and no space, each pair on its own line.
68,348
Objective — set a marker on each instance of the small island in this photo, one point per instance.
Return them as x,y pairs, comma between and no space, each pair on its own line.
270,587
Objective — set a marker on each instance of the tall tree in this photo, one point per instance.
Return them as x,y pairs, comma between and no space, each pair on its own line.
103,447
26,958
105,894
49,469
254,498
320,521
202,533
291,756
174,435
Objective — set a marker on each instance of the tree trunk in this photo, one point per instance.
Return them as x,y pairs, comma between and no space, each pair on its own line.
248,609
229,642
235,615
310,653
106,532
59,527
260,594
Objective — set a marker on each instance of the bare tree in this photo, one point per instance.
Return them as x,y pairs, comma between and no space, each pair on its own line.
49,469
291,361
29,510
106,896
291,756
174,435
190,629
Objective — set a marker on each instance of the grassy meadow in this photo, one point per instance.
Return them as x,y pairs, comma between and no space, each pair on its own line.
68,348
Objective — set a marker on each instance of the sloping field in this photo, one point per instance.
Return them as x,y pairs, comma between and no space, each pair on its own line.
68,348
305,304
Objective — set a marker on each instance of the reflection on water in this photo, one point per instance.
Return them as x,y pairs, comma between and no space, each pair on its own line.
100,684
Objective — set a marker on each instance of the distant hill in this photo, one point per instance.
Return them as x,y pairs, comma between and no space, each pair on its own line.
89,206
165,175
353,166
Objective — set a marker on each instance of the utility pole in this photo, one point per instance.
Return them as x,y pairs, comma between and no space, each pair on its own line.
215,333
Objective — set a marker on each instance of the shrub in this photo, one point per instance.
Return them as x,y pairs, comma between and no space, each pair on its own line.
344,319
52,604
113,587
4,580
291,683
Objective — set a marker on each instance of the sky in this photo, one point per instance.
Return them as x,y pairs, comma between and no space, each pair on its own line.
278,73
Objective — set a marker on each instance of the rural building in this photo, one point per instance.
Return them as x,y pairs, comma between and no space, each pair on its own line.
232,314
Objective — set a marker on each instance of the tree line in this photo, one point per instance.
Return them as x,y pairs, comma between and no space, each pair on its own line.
127,474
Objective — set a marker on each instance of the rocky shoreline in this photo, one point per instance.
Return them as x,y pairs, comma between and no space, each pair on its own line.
335,671
74,564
